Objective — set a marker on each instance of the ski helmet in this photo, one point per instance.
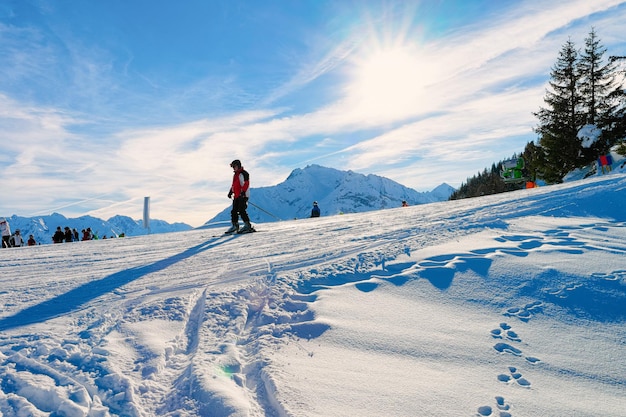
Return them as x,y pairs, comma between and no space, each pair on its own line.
236,162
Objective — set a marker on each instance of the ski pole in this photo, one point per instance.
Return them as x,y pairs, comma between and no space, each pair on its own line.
263,210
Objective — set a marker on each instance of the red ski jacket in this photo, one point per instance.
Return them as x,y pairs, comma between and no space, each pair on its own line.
241,183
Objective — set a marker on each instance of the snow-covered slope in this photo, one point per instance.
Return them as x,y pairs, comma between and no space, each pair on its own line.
504,305
336,192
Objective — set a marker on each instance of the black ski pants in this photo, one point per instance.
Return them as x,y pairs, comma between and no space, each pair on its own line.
240,205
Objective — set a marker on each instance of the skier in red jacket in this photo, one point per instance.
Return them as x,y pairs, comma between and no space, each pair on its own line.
239,191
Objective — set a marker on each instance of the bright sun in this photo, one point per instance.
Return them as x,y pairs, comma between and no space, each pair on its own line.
388,82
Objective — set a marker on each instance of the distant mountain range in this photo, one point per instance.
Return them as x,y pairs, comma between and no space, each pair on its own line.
43,227
335,191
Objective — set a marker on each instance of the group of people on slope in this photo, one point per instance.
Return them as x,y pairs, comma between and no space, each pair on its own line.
71,235
14,240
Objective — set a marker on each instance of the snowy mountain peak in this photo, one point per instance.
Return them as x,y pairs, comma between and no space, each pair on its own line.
443,191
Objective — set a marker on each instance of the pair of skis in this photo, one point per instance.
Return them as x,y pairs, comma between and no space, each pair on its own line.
241,232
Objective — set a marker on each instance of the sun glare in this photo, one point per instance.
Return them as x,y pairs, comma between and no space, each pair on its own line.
388,82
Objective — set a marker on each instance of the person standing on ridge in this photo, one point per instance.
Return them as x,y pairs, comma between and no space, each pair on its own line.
58,236
315,211
17,240
5,229
69,236
240,190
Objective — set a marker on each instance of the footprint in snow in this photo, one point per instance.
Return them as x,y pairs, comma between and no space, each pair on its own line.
619,275
514,376
501,409
526,312
507,348
505,332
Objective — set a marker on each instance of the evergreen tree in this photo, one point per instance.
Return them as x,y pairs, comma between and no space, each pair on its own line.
485,183
619,129
561,120
601,96
534,160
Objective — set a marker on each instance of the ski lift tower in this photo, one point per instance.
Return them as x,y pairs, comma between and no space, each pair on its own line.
146,213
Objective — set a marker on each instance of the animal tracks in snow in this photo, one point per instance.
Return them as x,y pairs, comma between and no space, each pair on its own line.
500,409
514,375
526,312
508,340
615,276
508,335
505,332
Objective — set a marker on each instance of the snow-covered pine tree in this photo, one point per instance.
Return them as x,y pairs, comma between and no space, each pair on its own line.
602,96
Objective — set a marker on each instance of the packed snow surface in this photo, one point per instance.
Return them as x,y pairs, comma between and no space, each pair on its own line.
505,305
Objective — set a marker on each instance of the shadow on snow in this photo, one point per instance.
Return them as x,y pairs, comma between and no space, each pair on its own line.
77,297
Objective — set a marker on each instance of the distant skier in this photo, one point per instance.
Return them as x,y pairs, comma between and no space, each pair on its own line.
315,211
239,192
5,230
404,203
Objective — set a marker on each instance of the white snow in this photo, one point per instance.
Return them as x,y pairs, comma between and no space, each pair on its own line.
589,134
505,305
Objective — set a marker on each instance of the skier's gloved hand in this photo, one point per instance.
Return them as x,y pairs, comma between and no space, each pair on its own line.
230,194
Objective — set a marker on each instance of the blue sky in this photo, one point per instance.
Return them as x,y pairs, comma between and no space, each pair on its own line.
105,102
